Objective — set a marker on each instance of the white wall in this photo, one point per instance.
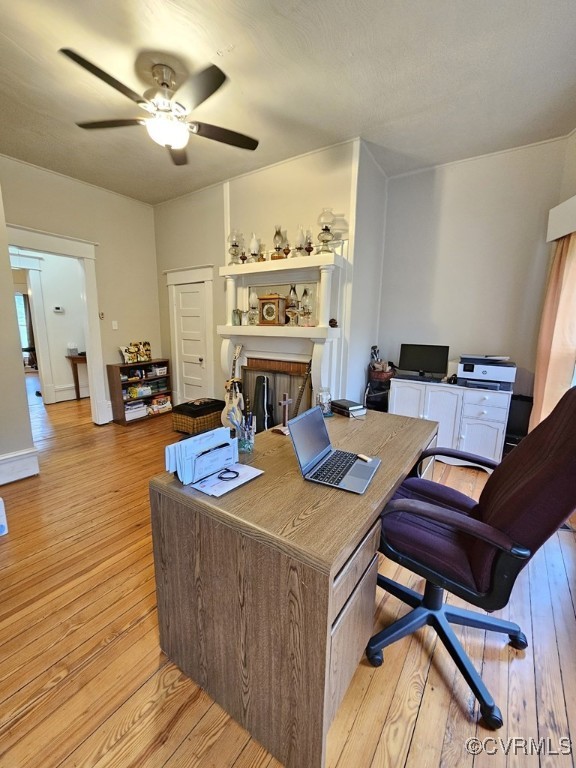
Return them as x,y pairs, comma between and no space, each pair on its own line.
125,257
368,256
292,193
465,257
568,187
16,448
190,232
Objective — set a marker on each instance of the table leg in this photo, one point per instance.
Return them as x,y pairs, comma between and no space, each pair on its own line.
75,375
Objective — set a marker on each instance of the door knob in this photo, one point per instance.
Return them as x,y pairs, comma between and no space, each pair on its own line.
200,359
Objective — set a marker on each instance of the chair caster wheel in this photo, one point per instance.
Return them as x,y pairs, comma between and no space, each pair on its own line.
492,718
518,641
375,658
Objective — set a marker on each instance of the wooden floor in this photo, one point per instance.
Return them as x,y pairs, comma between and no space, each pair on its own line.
83,682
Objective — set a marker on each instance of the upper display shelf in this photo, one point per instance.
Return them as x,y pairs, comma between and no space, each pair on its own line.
282,265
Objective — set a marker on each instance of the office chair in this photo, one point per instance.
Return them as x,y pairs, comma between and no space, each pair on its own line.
475,550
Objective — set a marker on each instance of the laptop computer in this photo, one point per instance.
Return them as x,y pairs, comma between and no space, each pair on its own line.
321,463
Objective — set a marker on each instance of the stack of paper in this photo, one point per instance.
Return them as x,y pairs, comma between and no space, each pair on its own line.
202,455
214,486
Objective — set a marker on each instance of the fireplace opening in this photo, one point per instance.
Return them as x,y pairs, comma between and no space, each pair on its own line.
284,377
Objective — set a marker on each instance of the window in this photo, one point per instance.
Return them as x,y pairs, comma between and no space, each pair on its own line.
21,312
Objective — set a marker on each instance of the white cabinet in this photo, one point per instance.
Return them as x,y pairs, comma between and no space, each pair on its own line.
471,420
484,419
444,405
406,398
435,402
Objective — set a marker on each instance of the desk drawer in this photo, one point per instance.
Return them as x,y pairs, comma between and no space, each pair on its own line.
348,577
486,397
484,412
350,635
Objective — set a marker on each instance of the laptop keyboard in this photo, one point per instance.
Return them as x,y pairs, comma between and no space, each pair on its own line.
334,469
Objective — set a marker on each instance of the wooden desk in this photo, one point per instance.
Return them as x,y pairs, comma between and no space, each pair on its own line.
266,595
74,360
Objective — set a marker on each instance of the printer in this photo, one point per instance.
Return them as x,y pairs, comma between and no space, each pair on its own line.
486,372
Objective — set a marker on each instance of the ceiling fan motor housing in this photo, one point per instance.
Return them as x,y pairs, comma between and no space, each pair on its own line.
164,76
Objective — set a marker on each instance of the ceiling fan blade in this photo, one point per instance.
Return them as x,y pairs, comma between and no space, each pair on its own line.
111,123
108,79
224,135
178,156
199,87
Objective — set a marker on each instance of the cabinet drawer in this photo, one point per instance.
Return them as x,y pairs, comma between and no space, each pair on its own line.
348,576
486,397
350,635
484,412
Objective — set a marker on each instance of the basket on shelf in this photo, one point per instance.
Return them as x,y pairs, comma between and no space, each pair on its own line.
380,375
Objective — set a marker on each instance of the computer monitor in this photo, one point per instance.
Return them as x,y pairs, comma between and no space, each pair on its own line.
424,358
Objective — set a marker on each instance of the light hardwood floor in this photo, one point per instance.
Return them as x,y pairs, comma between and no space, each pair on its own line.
84,683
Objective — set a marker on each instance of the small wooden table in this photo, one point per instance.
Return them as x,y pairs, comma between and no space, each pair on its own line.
74,360
266,596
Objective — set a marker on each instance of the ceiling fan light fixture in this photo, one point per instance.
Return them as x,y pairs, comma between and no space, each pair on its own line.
168,131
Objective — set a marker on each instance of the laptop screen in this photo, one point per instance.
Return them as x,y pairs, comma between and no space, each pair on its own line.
309,437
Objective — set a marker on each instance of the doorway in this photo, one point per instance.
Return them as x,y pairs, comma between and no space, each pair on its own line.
26,249
190,296
60,311
27,336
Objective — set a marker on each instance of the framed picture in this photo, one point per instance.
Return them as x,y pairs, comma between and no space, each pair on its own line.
137,352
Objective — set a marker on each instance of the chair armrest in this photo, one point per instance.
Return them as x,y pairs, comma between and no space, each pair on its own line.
462,522
452,453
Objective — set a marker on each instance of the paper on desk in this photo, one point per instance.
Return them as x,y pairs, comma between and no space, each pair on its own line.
201,454
215,487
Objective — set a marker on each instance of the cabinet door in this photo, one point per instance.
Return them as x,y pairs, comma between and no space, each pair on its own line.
444,405
406,399
484,438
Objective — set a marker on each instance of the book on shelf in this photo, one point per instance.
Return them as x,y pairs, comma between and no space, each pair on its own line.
348,408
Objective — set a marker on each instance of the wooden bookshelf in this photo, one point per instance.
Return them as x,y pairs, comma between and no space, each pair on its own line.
134,387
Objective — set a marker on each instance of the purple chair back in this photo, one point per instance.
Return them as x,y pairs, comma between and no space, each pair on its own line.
533,491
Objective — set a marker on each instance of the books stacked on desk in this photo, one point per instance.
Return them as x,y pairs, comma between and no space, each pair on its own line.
348,408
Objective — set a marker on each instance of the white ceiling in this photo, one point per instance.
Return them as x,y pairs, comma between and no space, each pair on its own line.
424,82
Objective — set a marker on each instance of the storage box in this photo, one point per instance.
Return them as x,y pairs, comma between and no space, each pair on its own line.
130,414
197,416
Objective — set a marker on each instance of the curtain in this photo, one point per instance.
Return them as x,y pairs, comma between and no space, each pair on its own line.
556,351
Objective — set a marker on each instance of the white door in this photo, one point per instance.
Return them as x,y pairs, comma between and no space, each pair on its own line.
191,340
189,314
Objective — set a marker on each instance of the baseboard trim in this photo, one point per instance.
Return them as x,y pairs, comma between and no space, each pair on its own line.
18,465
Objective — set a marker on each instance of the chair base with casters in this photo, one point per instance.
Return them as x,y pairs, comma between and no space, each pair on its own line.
430,609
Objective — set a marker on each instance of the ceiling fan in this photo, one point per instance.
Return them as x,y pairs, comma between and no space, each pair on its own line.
168,122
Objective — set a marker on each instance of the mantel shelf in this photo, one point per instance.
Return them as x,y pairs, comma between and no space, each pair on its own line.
279,331
314,261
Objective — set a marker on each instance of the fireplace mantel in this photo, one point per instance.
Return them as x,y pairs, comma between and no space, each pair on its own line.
320,343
